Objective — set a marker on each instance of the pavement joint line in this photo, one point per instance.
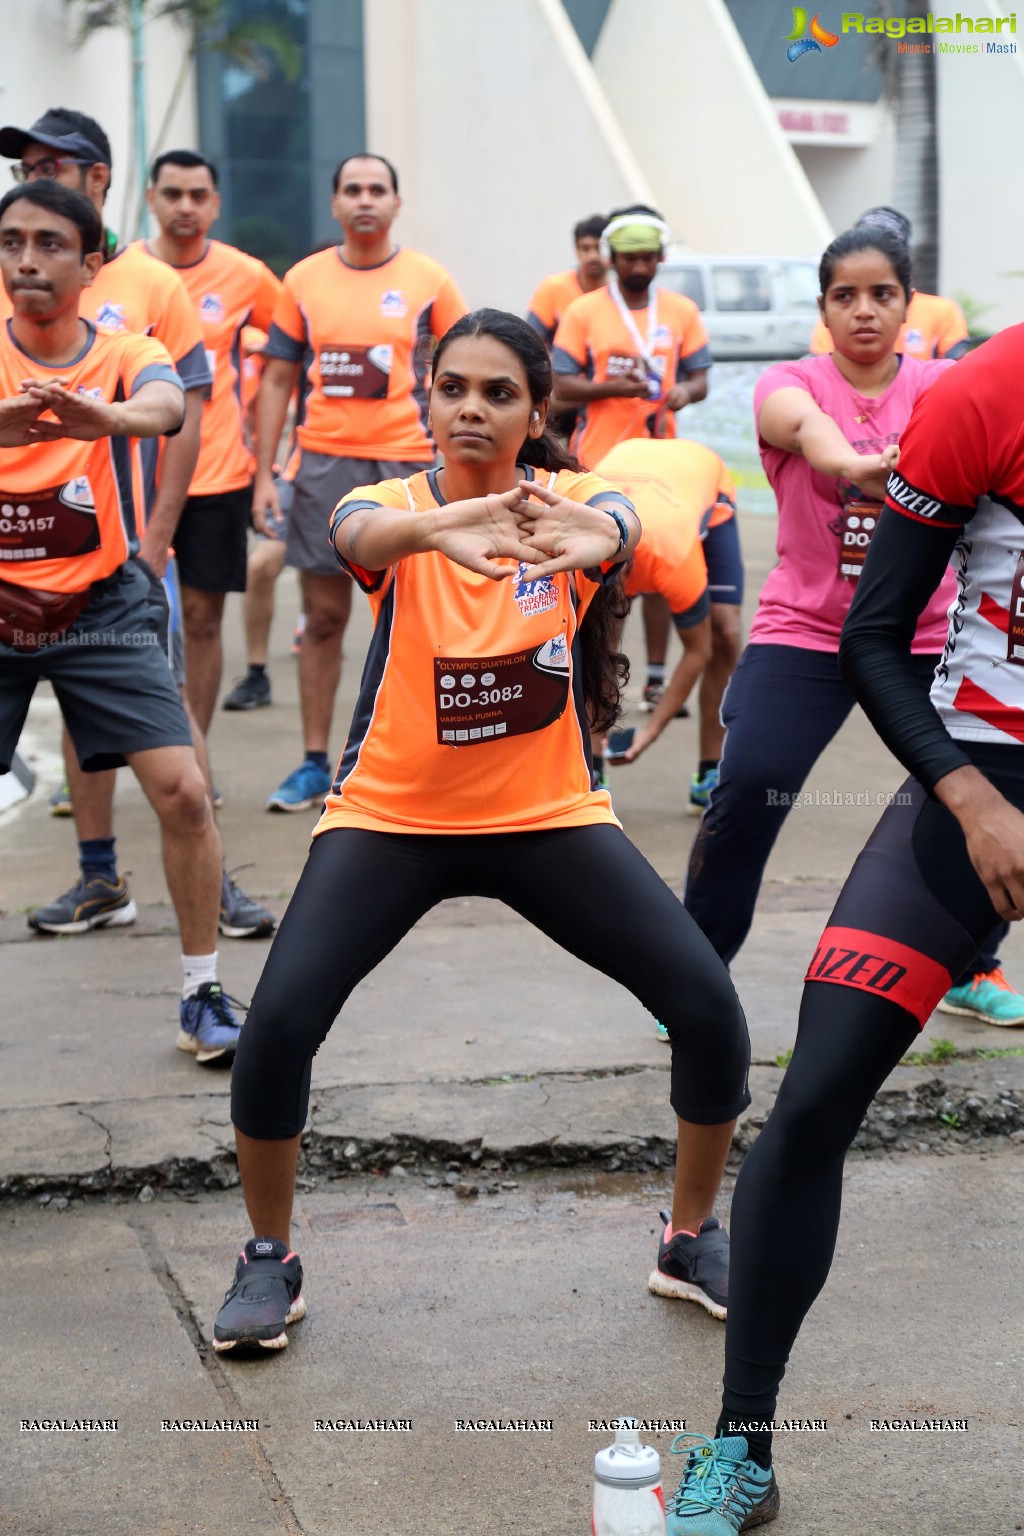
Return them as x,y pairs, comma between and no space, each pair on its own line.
182,1308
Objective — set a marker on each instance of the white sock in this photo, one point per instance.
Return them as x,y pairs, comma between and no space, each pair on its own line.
195,970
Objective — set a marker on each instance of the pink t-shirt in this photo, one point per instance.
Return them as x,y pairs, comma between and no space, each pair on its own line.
805,599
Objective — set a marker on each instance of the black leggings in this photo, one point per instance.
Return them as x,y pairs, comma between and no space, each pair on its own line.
912,904
587,888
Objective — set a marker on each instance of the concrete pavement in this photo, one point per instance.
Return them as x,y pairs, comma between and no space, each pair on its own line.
525,1297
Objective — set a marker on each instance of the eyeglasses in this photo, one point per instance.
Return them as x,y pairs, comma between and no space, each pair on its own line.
47,167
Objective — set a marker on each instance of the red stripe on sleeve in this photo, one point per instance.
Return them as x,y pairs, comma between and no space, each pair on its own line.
875,964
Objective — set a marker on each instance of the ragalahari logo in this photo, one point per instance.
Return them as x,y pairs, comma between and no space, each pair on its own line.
799,44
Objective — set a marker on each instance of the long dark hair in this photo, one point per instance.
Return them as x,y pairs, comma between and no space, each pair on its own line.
605,670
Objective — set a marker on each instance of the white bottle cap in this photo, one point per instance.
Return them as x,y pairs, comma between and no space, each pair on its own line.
627,1463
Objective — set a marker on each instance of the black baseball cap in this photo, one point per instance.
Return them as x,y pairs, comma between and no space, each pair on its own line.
51,129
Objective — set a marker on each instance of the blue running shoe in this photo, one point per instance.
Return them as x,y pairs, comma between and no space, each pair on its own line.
988,997
60,801
722,1490
209,1029
700,791
303,789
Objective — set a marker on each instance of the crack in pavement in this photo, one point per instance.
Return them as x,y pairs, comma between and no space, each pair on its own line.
108,1145
182,1308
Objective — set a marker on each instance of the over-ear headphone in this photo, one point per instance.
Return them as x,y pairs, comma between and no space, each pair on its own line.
622,220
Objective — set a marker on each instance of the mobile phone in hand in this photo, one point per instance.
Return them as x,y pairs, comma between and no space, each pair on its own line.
619,743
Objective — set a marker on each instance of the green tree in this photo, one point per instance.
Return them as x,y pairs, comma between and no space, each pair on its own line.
257,47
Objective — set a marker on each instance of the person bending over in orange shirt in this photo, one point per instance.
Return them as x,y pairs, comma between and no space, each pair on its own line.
493,582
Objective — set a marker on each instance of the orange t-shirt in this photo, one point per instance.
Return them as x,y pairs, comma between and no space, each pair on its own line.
470,715
934,327
226,288
368,332
677,486
593,339
551,300
67,512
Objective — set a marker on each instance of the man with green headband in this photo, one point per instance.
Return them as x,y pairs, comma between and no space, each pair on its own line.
630,355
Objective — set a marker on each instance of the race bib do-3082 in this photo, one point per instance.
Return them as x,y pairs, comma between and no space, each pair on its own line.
487,698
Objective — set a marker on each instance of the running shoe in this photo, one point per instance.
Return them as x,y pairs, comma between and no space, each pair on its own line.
216,798
209,1029
250,692
700,791
661,1032
302,789
95,902
240,916
266,1295
722,1491
60,800
299,631
652,697
694,1268
988,997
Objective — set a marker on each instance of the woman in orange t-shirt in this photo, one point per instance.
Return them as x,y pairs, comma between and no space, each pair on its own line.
466,771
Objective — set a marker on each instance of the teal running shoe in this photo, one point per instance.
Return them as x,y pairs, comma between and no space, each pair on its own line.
988,997
722,1490
700,791
662,1032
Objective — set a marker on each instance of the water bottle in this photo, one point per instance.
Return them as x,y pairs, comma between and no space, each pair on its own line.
628,1497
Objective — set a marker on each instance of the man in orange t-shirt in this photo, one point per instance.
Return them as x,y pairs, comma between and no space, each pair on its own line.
553,296
77,608
934,327
362,317
228,290
631,355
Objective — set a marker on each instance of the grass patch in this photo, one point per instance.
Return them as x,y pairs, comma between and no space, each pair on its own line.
784,1059
942,1050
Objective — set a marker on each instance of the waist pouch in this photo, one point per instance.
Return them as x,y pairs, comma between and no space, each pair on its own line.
30,618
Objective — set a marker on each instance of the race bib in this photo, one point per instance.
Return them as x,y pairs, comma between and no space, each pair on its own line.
355,373
487,698
50,524
858,521
1015,629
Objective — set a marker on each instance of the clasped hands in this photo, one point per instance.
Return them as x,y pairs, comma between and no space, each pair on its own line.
77,415
531,524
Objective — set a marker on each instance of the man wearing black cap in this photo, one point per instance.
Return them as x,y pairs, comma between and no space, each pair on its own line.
934,327
133,291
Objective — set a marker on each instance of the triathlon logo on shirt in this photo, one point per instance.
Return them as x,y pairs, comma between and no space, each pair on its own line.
211,307
393,305
79,494
534,596
112,316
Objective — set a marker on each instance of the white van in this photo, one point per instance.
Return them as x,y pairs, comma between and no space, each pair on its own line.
754,308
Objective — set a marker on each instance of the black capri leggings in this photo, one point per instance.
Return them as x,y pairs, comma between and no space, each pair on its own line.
587,888
910,917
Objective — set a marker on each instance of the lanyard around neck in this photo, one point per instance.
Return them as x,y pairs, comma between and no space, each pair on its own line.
645,349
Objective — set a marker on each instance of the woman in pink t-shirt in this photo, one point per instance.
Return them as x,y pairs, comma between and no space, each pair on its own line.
828,428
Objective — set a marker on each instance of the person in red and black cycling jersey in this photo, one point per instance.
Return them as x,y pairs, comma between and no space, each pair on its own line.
944,863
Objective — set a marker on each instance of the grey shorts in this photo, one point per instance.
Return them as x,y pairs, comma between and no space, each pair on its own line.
110,675
320,484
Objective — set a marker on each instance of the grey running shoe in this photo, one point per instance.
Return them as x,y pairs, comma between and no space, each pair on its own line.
240,916
694,1268
265,1296
250,692
93,903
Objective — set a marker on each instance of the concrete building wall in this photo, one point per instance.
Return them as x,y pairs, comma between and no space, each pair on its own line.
501,134
40,67
695,113
981,210
847,181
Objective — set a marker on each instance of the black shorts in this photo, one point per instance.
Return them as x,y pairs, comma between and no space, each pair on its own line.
913,913
211,543
109,672
724,562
